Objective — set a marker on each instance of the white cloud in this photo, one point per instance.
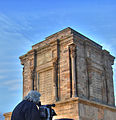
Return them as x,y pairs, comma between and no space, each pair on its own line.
14,32
14,41
12,85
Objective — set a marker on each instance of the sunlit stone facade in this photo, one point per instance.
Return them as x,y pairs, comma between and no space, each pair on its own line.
73,72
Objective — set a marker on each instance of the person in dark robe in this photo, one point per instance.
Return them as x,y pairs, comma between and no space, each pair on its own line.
28,109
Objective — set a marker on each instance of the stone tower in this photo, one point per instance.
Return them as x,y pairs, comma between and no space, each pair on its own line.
73,72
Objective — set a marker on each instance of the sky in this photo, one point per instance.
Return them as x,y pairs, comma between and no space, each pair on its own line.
24,23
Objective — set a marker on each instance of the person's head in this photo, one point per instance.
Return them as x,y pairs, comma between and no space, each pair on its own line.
33,96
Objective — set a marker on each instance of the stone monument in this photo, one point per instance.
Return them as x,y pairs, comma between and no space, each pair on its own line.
73,72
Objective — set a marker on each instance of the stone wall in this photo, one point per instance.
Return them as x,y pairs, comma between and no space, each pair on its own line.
89,110
81,109
94,72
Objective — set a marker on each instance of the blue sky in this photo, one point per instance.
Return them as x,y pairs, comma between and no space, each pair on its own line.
24,23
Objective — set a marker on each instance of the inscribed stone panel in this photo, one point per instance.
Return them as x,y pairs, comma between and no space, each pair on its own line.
45,86
96,86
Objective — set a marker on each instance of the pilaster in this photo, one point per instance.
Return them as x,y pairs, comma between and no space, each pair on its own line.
73,62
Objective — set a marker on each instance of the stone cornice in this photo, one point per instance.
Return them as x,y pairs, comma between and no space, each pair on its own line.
54,42
97,49
45,67
96,104
35,46
106,53
28,53
43,49
87,45
24,57
53,37
66,40
58,33
62,35
77,34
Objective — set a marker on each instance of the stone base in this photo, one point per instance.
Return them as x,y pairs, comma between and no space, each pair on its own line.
67,109
81,109
7,115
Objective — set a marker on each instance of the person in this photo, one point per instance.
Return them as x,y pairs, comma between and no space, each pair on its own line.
27,109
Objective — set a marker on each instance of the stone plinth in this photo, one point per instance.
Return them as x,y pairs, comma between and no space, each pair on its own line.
7,115
81,109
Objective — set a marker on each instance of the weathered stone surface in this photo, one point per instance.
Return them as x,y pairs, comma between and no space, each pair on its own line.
67,109
89,110
44,87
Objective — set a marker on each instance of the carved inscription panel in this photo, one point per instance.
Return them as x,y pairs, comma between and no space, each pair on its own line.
44,57
45,86
96,86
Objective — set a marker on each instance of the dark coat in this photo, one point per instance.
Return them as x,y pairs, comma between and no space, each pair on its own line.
25,110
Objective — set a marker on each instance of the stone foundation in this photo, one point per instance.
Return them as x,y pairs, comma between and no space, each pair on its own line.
7,115
81,109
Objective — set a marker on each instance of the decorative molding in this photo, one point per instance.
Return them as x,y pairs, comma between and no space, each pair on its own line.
73,50
66,30
44,67
87,102
87,40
